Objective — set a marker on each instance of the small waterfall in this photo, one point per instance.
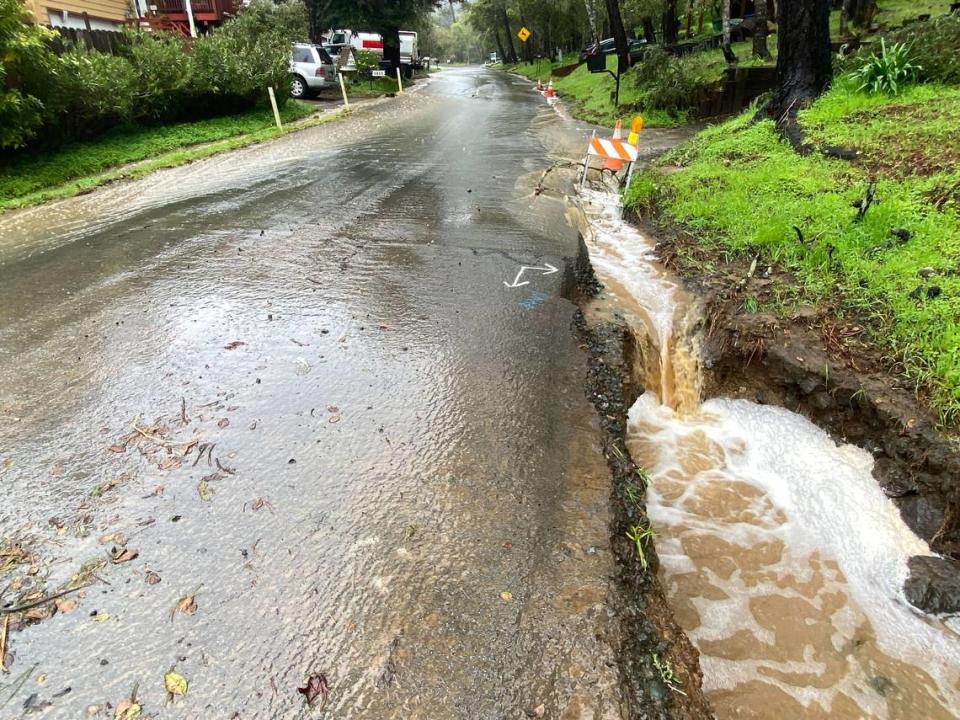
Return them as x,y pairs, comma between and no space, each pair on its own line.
781,556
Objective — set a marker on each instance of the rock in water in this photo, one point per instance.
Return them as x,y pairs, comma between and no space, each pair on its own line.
934,584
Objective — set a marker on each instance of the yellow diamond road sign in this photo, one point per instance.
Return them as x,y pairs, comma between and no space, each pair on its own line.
524,34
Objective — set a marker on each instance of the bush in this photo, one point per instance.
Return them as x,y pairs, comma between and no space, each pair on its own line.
161,73
366,61
26,65
934,45
669,83
887,72
90,92
157,77
237,62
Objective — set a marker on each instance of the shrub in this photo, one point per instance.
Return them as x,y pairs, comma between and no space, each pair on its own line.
238,61
161,72
91,93
888,71
366,61
669,83
935,45
25,68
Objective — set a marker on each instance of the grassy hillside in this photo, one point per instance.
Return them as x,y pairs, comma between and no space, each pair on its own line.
740,190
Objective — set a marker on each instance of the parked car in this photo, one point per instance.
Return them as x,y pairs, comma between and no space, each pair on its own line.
311,68
609,47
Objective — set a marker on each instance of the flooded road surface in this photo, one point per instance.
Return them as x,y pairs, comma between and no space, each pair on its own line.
282,413
783,559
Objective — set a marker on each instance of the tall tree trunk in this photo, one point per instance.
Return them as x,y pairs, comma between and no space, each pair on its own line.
391,47
619,35
649,33
453,13
496,37
804,60
760,49
728,54
670,27
512,54
726,24
860,12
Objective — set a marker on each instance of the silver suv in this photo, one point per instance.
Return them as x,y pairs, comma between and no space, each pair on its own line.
311,68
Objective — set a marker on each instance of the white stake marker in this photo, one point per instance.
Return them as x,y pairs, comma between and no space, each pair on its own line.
273,103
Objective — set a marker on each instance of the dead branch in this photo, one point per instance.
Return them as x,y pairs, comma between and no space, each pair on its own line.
41,601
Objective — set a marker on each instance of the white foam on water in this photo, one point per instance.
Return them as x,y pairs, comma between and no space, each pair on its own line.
823,502
837,545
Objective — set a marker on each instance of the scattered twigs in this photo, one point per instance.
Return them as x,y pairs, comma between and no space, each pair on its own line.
19,683
3,643
41,601
183,411
205,449
145,432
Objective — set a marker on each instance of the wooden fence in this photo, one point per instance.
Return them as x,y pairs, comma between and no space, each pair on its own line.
105,41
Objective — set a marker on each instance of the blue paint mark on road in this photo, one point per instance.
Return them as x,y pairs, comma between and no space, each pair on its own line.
534,301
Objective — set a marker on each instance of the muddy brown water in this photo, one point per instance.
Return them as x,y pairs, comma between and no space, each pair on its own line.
412,500
781,556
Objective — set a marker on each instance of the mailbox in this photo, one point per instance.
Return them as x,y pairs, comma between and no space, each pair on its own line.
597,63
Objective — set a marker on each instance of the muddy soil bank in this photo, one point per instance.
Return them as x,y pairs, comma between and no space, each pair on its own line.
821,366
659,666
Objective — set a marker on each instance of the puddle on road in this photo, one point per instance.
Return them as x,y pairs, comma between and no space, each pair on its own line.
781,556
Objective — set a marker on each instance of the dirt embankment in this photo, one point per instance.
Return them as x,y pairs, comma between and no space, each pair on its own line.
659,666
813,362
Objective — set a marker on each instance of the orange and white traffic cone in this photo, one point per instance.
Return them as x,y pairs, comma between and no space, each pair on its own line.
615,165
550,92
539,86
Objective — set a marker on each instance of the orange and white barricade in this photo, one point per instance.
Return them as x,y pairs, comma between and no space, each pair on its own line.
616,150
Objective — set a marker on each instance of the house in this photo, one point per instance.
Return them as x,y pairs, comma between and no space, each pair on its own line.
185,16
80,14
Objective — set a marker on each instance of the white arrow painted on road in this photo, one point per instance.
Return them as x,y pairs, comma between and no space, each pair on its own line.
548,270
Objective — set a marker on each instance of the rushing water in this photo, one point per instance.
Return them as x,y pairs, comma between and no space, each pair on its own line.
783,559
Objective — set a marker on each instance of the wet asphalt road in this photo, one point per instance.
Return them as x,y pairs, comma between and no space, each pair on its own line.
402,487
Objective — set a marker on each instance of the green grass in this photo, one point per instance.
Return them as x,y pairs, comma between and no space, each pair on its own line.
27,176
158,161
741,190
591,94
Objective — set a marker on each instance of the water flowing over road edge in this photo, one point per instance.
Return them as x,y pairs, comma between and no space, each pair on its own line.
881,677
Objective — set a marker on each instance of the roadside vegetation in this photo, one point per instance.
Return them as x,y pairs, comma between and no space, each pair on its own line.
873,236
50,99
78,166
664,88
667,89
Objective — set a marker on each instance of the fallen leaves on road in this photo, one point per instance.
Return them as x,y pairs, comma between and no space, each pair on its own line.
223,422
186,605
120,554
169,463
66,606
175,684
506,595
114,538
258,504
152,578
317,685
105,486
233,345
127,709
538,712
101,617
205,491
